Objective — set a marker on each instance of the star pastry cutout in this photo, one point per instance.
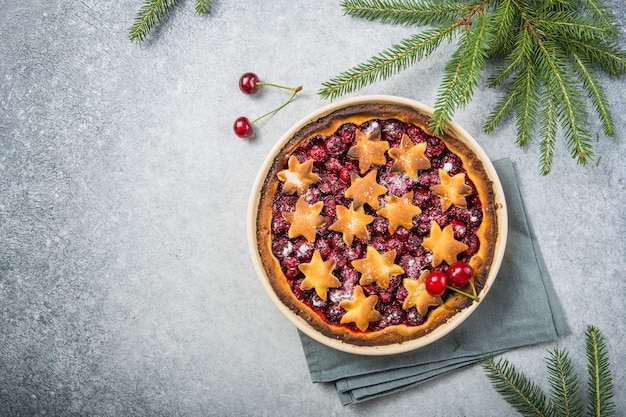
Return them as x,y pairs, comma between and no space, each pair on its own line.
399,211
361,310
352,223
418,296
365,190
409,157
443,244
319,275
298,176
369,149
305,220
377,267
451,190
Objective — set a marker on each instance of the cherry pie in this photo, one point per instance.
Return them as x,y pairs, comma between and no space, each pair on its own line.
358,208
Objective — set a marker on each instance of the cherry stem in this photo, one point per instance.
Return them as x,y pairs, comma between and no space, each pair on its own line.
279,86
473,297
293,95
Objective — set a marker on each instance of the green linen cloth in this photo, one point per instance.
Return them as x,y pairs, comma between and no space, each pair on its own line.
521,309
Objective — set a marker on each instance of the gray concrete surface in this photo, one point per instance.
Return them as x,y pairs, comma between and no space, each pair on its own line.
125,281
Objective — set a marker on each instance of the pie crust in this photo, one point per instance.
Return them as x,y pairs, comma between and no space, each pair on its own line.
364,303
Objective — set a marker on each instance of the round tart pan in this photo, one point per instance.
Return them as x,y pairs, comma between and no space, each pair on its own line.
455,131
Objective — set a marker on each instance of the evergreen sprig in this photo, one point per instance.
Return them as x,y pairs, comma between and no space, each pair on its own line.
153,12
528,399
549,54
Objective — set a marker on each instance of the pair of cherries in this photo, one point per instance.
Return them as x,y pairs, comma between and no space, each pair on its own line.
456,277
249,84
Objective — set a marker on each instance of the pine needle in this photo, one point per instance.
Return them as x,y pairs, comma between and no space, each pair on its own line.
501,109
203,6
504,20
595,92
461,74
600,392
563,385
525,96
151,13
570,108
398,12
521,393
388,62
547,131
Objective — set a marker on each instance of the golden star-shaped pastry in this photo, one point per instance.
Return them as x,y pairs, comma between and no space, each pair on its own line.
418,296
298,177
443,244
399,211
361,310
352,223
409,157
365,190
319,275
305,220
369,149
376,267
451,190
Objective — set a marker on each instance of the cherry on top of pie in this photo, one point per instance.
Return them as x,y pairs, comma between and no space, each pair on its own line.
352,223
361,310
319,275
409,157
418,296
369,149
377,267
365,190
443,244
452,190
298,176
305,220
399,211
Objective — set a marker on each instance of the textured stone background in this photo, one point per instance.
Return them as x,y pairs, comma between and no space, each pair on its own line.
125,281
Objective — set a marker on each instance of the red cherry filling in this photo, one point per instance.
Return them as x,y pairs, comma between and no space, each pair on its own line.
335,170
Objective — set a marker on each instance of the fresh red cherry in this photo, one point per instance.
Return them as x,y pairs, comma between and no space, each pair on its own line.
243,127
436,283
459,273
248,83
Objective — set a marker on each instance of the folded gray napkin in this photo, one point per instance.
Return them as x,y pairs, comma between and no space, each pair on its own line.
521,309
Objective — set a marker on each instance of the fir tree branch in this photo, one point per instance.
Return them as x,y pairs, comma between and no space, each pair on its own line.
600,393
606,55
524,92
461,74
601,11
520,392
547,131
151,13
551,48
569,25
426,12
595,93
521,53
505,18
388,62
570,108
203,6
501,109
563,385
